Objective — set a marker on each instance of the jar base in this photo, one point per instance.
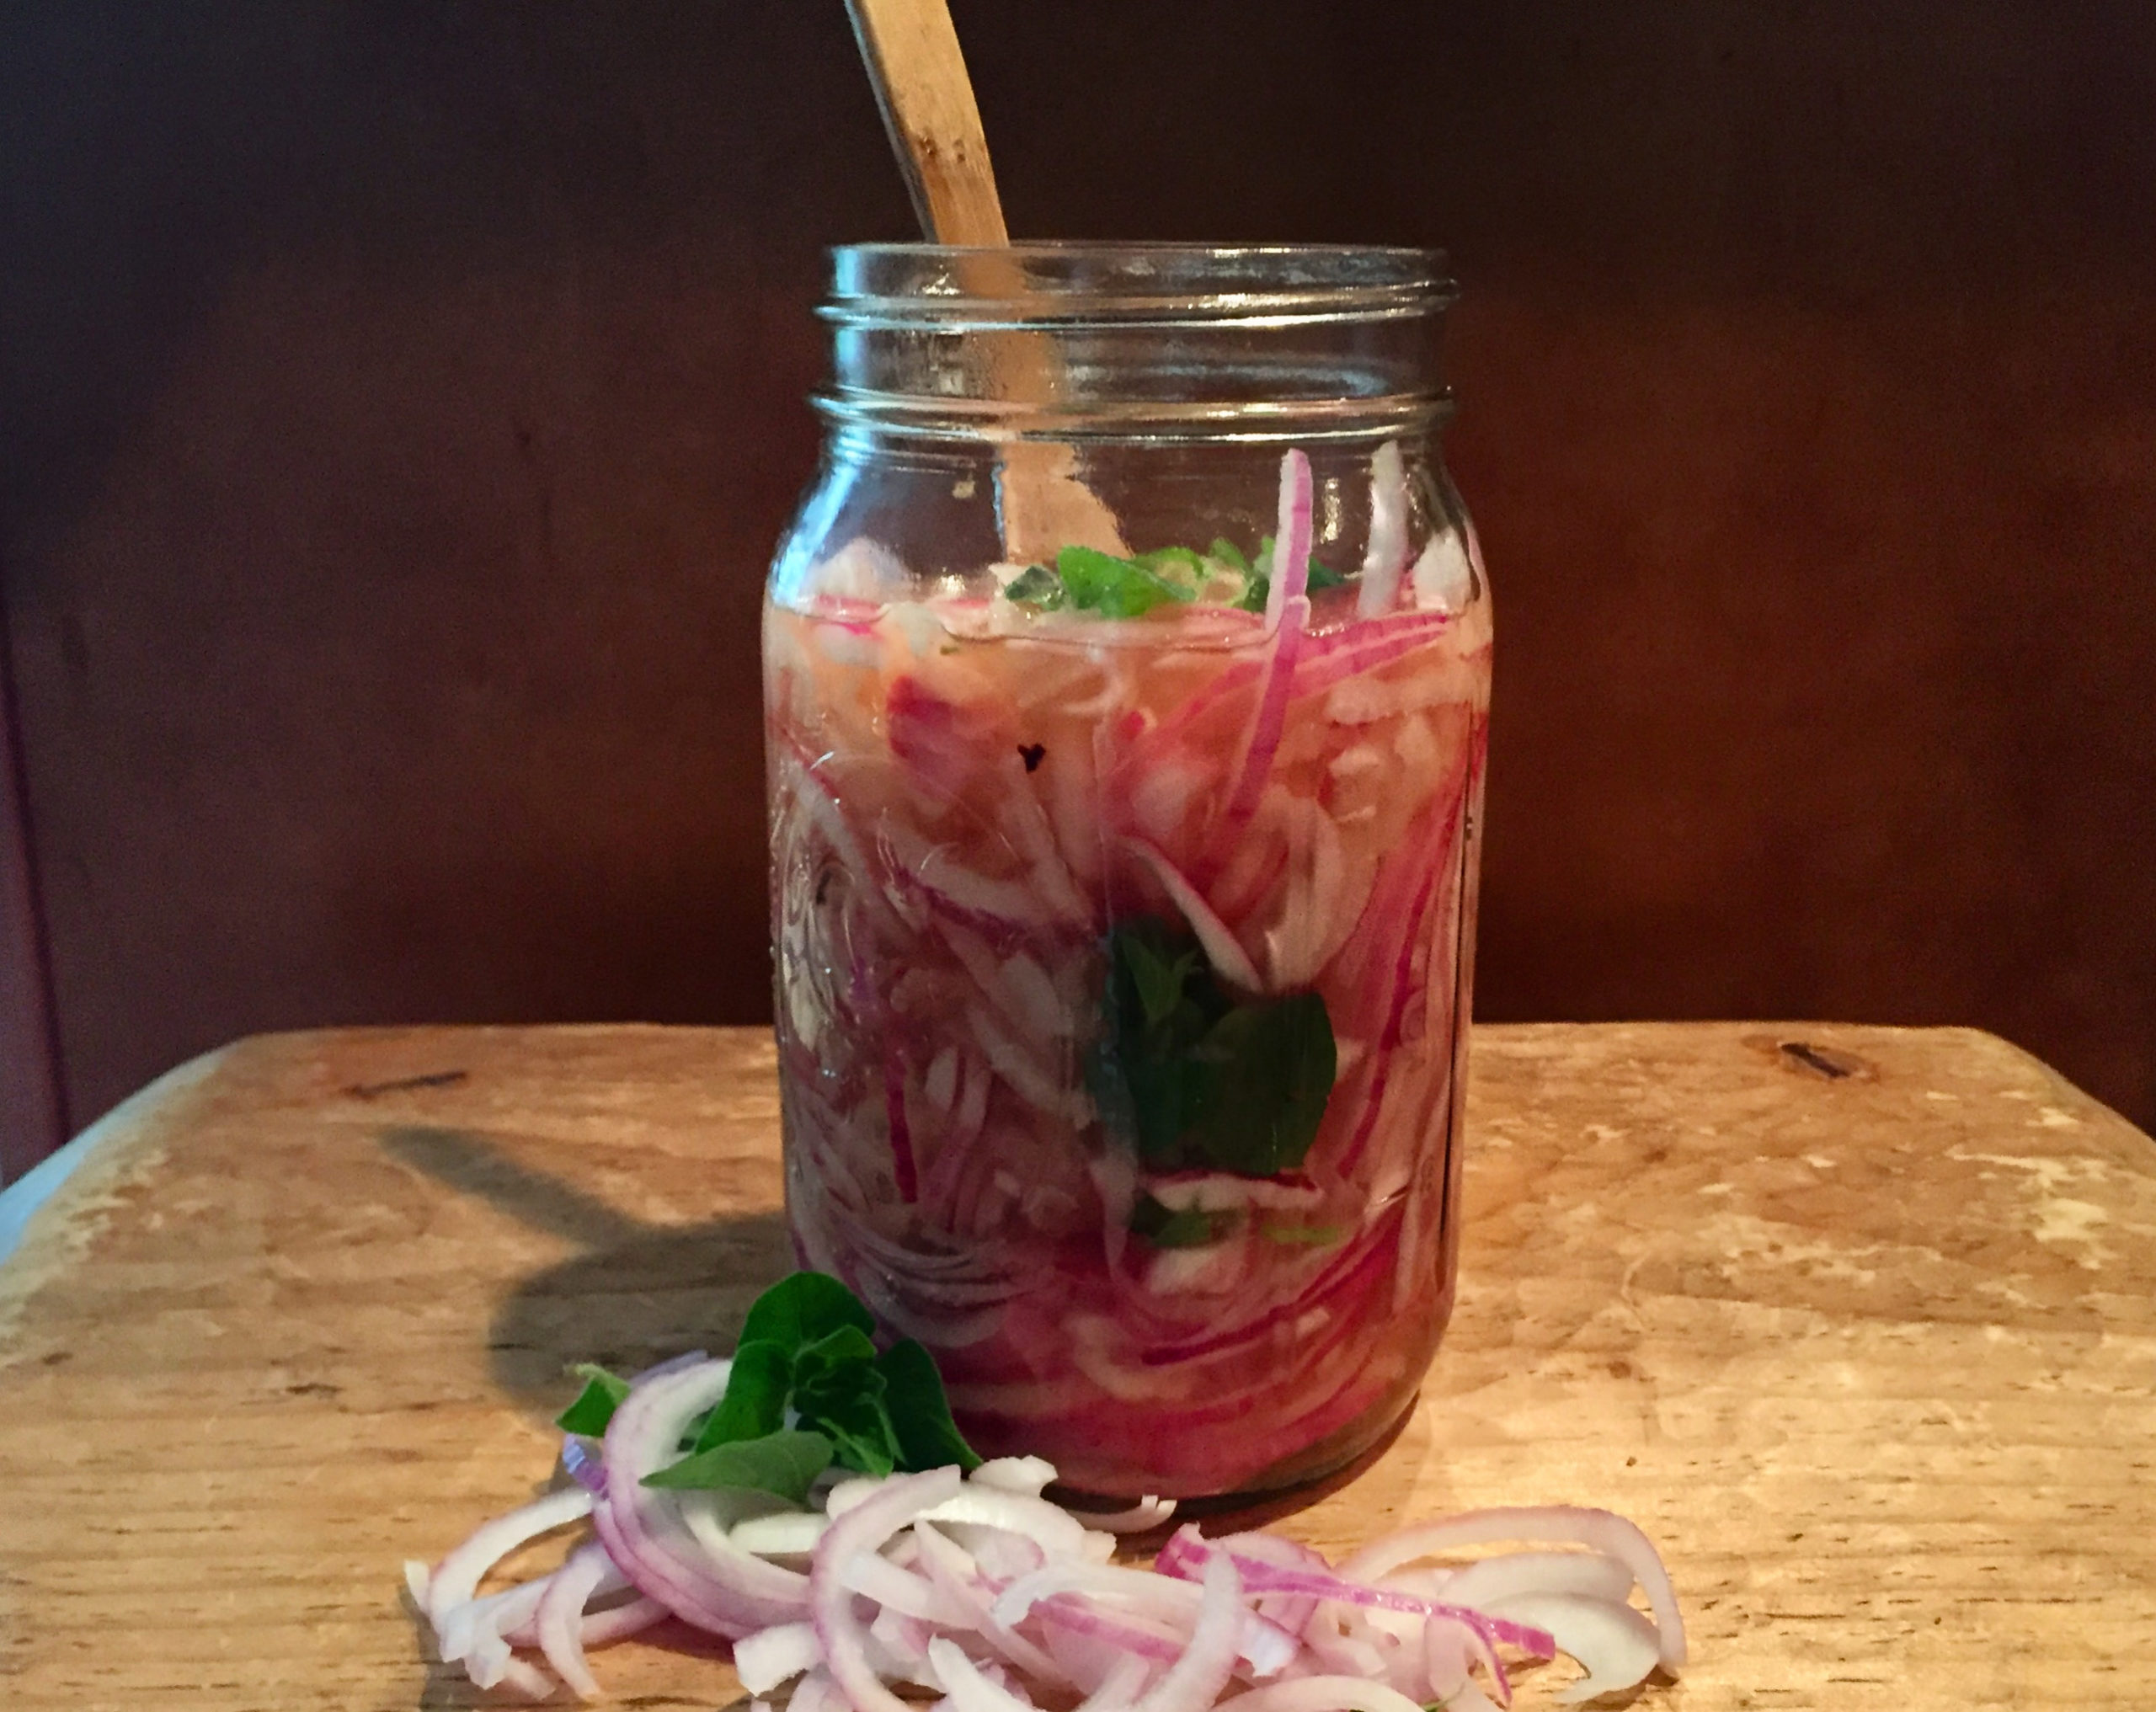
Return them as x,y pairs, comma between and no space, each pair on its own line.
1316,1474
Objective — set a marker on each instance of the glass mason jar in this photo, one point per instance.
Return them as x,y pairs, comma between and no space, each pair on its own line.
1127,674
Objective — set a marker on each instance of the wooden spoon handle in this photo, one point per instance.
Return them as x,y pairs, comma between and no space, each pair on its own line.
911,49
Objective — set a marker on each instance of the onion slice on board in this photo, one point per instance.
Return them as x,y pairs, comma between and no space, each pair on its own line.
865,1528
1602,1530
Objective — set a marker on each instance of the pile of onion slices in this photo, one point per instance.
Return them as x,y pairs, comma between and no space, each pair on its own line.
978,1592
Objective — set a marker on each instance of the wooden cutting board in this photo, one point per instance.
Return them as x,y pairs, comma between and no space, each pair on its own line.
1860,1323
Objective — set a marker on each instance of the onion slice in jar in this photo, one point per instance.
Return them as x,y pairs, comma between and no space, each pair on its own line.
1385,562
1291,539
1229,961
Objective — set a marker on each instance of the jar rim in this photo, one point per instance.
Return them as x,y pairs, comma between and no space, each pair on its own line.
1131,283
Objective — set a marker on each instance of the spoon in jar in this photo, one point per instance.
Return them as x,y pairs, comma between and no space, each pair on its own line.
911,50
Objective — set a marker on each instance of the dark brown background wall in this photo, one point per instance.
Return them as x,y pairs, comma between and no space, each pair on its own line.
398,402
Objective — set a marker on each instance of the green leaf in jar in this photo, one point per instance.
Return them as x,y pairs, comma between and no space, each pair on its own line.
1098,582
1037,585
1273,1064
1195,1080
1179,1227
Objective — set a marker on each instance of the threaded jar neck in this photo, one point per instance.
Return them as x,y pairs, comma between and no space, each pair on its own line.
1136,341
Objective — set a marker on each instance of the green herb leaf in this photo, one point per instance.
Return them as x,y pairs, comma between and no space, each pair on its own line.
1196,1080
802,1308
1180,1227
1302,1235
754,1403
1274,1064
919,1412
806,1378
860,1430
784,1463
1164,561
1228,553
833,1353
1160,983
1037,585
595,1402
1099,582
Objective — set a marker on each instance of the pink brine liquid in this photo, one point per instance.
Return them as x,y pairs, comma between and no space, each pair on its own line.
1122,999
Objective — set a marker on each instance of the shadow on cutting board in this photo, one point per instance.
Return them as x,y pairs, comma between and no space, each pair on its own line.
640,1293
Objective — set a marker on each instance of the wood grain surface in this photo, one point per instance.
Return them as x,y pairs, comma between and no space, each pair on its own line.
1860,1323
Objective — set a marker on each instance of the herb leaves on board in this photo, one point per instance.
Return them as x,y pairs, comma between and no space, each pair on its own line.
809,1389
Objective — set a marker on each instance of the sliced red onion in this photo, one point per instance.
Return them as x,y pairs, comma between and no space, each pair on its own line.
817,1693
1385,560
1141,1637
903,1174
476,1629
509,1670
559,1621
729,1592
1601,1529
580,1463
1322,1694
1341,1588
1291,539
1123,1680
604,1627
877,1577
1450,1651
1148,1512
1048,1526
904,1638
1263,1645
1483,1584
1194,1681
1222,949
957,1578
968,1687
864,1529
1616,1645
1026,1476
768,1657
1292,1612
456,1578
673,1364
783,1533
